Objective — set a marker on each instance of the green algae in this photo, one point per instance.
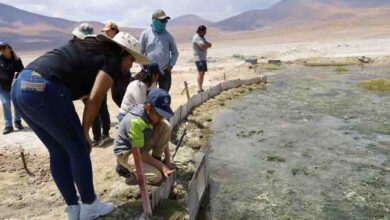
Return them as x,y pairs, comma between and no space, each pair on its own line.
341,70
276,158
170,210
272,67
376,85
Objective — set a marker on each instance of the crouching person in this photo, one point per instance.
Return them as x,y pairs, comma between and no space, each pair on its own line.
144,127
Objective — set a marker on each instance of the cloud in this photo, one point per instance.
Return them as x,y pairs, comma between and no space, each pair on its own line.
137,13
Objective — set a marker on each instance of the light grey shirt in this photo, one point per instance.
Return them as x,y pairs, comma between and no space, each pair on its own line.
160,48
135,94
199,53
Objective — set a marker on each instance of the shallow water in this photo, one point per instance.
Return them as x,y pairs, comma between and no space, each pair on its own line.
312,145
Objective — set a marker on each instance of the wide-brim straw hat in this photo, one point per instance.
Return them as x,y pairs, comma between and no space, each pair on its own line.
127,42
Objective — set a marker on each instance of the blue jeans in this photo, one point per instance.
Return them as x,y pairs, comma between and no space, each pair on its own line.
48,109
6,102
120,117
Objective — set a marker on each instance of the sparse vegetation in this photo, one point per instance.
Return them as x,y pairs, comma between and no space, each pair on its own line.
379,85
239,57
276,158
341,70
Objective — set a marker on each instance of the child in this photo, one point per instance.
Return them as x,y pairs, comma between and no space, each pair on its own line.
137,129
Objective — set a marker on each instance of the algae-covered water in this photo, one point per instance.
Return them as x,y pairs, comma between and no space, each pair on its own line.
313,145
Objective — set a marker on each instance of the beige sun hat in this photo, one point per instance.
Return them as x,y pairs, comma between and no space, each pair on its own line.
160,14
127,42
83,31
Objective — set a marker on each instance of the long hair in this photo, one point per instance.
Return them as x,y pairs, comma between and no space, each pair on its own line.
144,77
91,44
13,54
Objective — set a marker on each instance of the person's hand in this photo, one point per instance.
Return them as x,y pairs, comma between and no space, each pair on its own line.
166,171
170,165
89,142
169,69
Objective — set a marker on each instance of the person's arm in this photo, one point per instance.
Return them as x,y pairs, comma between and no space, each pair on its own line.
174,53
204,46
18,67
201,43
167,158
165,170
142,40
102,84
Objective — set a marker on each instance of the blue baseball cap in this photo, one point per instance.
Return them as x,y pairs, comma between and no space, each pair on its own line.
160,101
153,68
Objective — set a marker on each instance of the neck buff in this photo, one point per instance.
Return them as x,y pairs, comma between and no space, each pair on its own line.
159,26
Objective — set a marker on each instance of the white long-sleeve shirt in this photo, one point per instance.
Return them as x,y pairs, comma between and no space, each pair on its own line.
135,94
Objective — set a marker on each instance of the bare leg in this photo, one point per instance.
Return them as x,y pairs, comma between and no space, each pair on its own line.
200,80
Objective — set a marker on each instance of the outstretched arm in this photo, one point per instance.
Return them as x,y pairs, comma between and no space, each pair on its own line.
102,84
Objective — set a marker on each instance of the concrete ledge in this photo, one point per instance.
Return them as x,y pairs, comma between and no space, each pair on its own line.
200,179
214,90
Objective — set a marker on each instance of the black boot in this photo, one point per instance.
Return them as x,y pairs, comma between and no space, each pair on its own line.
8,130
18,125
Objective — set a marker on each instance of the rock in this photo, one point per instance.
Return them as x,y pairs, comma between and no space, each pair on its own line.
364,59
251,61
275,62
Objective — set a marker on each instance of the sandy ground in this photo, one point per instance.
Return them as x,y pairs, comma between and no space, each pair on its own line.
36,197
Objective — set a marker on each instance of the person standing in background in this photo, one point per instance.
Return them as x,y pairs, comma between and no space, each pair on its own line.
160,47
10,64
110,29
101,125
200,46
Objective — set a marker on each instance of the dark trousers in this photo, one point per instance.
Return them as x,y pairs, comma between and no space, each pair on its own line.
165,81
102,121
49,111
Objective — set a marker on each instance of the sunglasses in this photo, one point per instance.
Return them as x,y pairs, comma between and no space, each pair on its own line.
164,21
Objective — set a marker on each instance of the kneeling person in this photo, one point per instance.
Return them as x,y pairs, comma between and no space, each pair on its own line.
144,127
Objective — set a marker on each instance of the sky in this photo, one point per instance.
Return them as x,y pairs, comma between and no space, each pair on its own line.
136,13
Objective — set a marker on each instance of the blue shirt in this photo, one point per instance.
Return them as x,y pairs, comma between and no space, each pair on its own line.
160,48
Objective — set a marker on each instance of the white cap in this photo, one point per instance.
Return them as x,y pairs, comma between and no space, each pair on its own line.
83,30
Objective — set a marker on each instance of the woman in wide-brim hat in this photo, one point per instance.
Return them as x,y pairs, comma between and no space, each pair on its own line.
44,93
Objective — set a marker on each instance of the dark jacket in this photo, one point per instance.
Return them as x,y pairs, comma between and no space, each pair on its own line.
8,68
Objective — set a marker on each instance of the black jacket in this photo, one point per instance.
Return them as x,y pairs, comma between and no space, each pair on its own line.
8,68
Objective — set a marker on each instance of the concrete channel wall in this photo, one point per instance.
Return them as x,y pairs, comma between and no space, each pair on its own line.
200,179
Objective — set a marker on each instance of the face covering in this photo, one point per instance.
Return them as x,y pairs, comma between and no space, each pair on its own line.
159,26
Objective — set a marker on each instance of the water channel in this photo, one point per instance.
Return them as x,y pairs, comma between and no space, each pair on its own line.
313,145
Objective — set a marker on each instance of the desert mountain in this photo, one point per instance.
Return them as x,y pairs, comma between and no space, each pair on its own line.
285,12
189,20
359,3
28,31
